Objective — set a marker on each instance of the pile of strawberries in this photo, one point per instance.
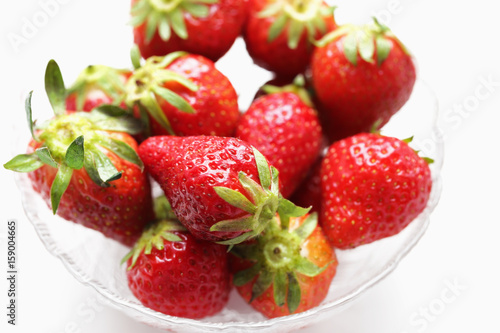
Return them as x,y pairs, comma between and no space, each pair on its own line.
235,184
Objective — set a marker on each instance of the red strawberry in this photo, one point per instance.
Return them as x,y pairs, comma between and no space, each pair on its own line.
220,188
308,194
372,187
172,272
208,28
184,95
362,76
285,128
86,169
97,85
278,34
288,269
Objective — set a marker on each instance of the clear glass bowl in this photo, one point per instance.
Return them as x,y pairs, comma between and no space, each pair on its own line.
95,260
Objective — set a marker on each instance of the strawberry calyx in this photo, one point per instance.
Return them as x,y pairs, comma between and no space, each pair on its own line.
167,15
163,209
146,85
372,42
265,201
297,88
154,236
299,16
278,257
427,160
74,140
109,80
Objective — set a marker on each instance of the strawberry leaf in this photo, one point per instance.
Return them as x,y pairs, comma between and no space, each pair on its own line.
59,185
263,282
45,156
155,235
75,153
243,277
307,227
121,149
163,209
294,293
263,169
154,109
115,119
29,115
279,287
383,49
235,199
276,28
174,99
295,31
351,48
164,29
287,209
307,268
152,22
244,223
24,163
99,167
252,187
366,46
135,56
54,86
178,24
196,9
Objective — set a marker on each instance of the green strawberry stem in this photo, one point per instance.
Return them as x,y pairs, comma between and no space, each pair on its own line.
299,16
297,87
277,260
372,42
54,87
163,16
146,86
265,201
107,79
71,141
154,236
427,160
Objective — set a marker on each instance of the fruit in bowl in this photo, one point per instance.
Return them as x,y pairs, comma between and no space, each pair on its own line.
226,195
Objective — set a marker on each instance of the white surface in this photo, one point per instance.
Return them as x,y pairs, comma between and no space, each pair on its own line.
457,48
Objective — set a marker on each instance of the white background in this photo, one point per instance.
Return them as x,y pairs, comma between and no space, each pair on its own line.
457,48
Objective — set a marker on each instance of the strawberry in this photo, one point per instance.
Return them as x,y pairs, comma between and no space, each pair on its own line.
308,194
362,76
285,128
205,27
372,187
220,188
97,85
185,95
86,167
278,34
288,269
172,272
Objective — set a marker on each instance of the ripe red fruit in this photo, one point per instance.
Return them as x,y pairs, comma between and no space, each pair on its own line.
308,194
285,128
220,188
86,168
172,272
184,95
208,28
279,34
287,270
97,85
362,76
372,187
